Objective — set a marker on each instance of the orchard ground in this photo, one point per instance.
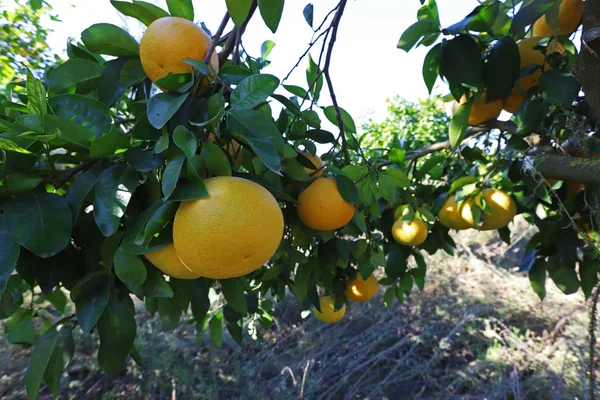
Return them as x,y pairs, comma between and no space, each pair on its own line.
477,331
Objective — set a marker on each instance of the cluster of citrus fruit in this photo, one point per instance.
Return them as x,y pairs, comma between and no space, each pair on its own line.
239,227
569,17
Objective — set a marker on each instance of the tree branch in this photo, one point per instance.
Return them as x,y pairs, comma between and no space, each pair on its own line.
209,52
72,172
564,168
335,24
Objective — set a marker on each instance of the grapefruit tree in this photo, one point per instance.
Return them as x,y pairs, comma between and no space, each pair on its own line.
159,171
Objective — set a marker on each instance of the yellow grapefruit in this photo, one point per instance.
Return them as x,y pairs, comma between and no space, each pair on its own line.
482,111
569,17
167,261
502,209
360,290
328,313
411,233
449,215
322,207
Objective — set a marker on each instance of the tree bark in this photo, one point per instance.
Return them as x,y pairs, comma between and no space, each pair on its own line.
572,169
587,69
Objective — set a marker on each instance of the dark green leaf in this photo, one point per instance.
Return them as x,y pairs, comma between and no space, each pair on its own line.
349,125
189,191
113,191
501,67
216,160
233,74
529,115
163,106
296,90
559,86
588,273
129,269
22,333
80,188
233,290
156,285
253,91
411,36
431,67
143,130
158,220
537,278
39,222
320,136
528,14
271,10
71,135
90,296
347,189
9,254
171,175
238,9
314,78
184,139
308,14
388,188
19,183
144,160
41,356
200,302
144,12
110,39
181,8
108,144
461,63
73,72
117,329
60,359
459,123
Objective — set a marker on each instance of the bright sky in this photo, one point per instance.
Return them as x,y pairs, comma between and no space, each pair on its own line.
366,68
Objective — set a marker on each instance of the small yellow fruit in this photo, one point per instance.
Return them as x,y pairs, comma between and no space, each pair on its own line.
231,233
322,207
317,162
411,233
168,262
359,290
569,17
328,313
170,40
481,110
449,215
502,209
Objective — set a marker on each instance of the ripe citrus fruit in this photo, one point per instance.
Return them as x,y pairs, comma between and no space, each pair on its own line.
569,17
317,162
322,207
168,262
482,111
170,40
449,215
411,233
232,232
502,209
328,313
529,56
359,290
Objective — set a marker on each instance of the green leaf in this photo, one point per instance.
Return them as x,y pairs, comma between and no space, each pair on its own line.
537,278
171,175
9,254
459,123
268,45
144,12
389,296
314,78
238,10
349,125
563,274
9,145
233,290
431,66
252,128
234,74
19,183
84,111
200,302
73,72
163,106
113,191
117,330
529,115
60,359
39,222
185,140
181,8
253,91
528,14
156,285
501,67
388,188
308,13
36,95
461,63
347,189
90,296
415,32
143,130
216,328
588,273
190,191
22,333
110,39
80,188
295,170
296,90
41,356
158,220
108,144
144,160
216,160
129,269
170,309
271,11
559,86
178,83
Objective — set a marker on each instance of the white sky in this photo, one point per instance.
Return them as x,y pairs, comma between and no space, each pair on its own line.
366,67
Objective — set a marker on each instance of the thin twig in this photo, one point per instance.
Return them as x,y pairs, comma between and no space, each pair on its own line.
69,175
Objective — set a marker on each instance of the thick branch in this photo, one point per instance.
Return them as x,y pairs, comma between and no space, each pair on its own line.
587,69
335,24
72,172
565,168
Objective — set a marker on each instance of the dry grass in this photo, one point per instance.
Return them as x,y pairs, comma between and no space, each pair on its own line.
477,331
